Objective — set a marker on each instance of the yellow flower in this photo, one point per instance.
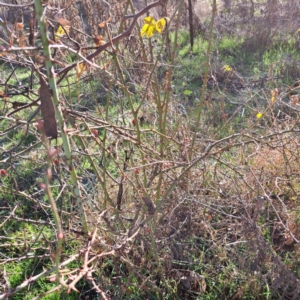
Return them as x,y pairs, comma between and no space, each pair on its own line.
149,27
161,25
61,32
227,68
259,115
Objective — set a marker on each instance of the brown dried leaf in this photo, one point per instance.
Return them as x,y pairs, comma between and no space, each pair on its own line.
22,41
294,99
62,21
47,110
19,26
98,40
2,51
102,24
2,95
11,40
17,104
40,59
80,68
150,206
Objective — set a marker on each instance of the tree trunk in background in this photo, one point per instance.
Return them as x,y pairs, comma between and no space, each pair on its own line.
227,4
191,24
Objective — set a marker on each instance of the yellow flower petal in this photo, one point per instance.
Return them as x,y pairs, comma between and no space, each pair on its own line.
161,25
149,20
144,29
259,115
61,32
227,68
150,31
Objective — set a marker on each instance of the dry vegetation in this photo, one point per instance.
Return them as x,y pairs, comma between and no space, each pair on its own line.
135,168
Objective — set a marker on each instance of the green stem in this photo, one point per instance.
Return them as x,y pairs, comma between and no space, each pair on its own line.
58,113
60,233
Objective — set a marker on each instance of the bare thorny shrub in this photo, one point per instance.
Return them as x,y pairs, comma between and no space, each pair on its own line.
148,201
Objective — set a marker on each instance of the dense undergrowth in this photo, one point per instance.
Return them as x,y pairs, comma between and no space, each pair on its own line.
182,178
